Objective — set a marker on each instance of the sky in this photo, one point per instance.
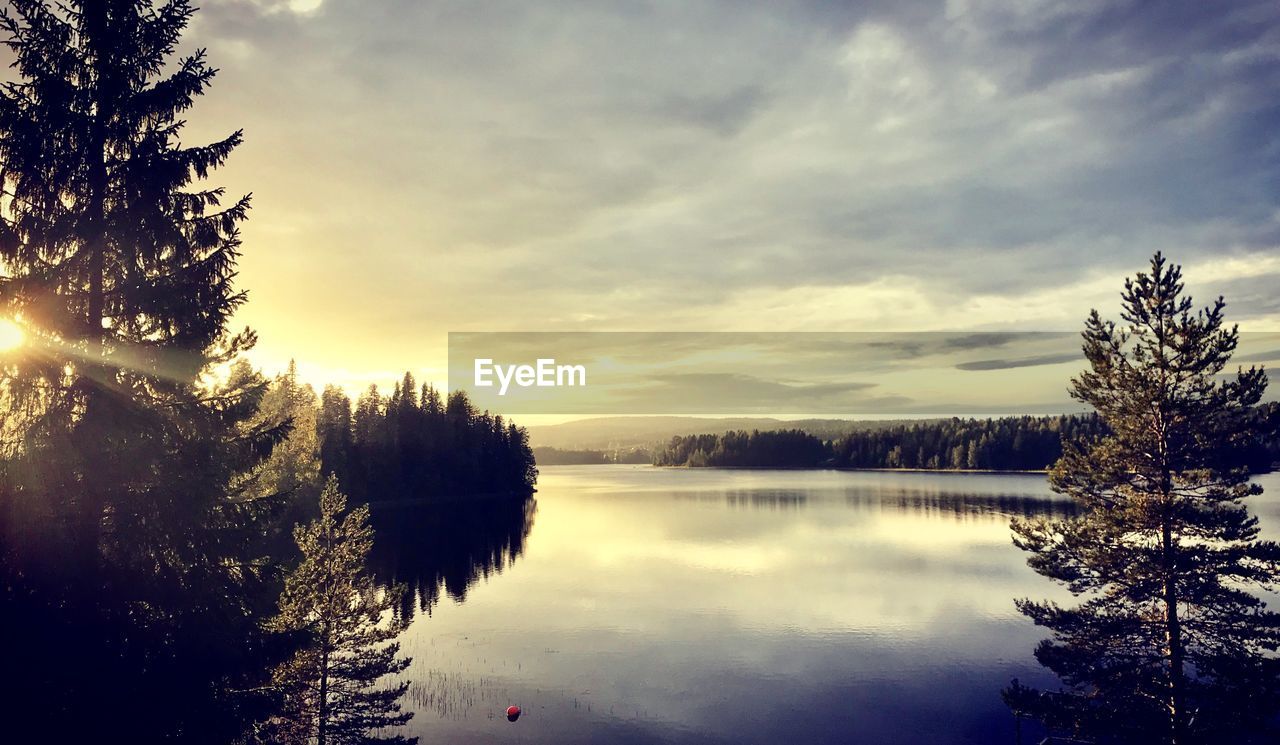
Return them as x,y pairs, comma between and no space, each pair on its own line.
425,167
789,374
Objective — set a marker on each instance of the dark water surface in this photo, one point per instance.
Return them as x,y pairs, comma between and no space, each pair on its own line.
637,605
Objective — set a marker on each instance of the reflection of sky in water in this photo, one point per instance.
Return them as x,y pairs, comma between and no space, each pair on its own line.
744,607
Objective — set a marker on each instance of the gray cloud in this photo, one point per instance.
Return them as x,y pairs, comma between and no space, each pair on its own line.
649,165
1271,356
1049,359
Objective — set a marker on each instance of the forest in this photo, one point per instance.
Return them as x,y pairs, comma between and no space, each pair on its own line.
1023,443
416,445
790,448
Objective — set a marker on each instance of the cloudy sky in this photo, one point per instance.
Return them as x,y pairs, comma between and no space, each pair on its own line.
789,374
424,167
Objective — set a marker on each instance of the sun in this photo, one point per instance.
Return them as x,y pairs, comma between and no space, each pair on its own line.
11,335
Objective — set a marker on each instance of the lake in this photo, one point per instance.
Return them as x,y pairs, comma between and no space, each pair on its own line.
631,605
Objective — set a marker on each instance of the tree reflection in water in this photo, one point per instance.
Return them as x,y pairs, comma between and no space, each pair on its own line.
448,547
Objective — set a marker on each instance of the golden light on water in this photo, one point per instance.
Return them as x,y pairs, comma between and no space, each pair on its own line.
11,335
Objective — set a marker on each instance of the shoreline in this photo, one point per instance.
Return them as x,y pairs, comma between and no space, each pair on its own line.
1026,472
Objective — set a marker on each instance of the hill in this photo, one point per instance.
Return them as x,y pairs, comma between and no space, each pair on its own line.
631,432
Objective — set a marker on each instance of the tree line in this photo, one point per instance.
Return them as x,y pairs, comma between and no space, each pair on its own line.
414,444
790,448
1021,443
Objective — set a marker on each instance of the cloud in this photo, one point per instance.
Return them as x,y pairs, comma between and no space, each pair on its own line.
1049,359
1271,356
743,392
737,165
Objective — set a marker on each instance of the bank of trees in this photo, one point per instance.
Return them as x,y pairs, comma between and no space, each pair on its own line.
1009,443
406,446
1022,443
414,445
774,449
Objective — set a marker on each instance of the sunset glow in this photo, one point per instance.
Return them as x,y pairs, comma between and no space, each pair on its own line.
11,335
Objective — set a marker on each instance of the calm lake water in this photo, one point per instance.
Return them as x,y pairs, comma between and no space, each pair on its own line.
631,605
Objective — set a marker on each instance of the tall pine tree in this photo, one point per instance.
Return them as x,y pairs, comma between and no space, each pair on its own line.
1169,643
119,450
332,687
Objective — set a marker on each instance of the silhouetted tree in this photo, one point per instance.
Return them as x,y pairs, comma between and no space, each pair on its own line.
126,542
333,430
1169,644
332,689
411,446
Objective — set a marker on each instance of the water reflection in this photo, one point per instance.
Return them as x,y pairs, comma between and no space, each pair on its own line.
959,503
741,606
447,548
774,499
746,607
919,499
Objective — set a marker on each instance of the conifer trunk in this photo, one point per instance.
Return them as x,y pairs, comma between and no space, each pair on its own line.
326,640
1169,592
95,242
1173,639
324,693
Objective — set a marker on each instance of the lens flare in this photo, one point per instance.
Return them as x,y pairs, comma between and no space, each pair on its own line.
11,335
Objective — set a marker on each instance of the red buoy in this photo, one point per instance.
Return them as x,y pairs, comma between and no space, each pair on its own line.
513,713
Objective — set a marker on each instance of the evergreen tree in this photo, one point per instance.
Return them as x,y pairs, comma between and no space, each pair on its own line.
330,687
120,455
1169,644
117,264
333,429
293,467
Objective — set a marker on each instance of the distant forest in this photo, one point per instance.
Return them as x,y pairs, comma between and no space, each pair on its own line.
549,456
1024,443
788,448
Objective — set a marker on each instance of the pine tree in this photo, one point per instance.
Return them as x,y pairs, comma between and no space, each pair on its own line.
120,269
333,428
293,467
1169,644
331,685
119,452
